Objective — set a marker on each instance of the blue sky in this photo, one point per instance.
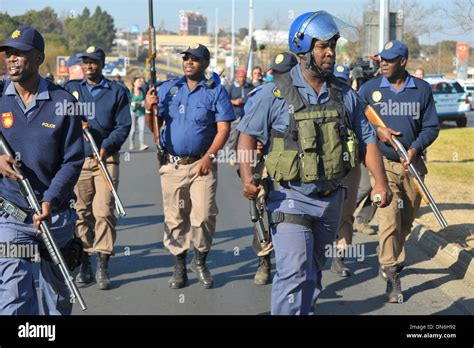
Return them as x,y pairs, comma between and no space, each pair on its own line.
128,12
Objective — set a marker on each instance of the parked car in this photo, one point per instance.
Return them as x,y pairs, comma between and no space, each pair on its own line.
451,100
469,88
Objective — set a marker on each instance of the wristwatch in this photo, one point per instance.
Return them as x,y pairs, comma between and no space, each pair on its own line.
212,156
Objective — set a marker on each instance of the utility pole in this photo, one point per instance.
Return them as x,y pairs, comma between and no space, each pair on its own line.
215,43
250,57
384,22
232,67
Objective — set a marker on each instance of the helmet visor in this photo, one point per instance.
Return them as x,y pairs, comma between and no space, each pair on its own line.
323,26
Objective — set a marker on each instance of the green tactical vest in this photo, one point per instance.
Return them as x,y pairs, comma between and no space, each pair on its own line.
319,144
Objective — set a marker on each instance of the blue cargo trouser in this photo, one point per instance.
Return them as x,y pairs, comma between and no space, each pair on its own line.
299,251
17,287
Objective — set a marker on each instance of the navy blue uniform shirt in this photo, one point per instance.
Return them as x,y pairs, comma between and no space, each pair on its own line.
191,117
268,111
108,113
411,111
48,141
235,92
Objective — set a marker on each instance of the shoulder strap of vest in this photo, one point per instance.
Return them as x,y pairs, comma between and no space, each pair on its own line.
335,89
289,92
335,93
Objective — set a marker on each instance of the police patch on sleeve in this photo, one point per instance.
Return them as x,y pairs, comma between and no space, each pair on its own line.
376,96
277,93
75,94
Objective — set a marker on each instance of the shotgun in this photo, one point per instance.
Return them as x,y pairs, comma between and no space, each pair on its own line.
376,120
103,170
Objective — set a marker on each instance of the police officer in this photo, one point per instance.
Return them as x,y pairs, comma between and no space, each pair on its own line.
405,104
280,64
238,92
48,141
312,125
197,115
109,122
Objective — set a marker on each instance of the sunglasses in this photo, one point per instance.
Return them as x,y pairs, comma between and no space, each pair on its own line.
193,58
391,61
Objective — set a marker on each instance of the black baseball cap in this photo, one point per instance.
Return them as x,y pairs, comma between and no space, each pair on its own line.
283,62
199,51
94,53
24,39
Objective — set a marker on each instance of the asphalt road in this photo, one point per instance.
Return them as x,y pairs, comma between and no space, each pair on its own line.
142,266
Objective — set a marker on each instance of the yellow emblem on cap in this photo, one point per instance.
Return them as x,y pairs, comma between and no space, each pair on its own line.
277,93
90,49
340,68
193,47
279,58
75,94
389,45
16,34
376,96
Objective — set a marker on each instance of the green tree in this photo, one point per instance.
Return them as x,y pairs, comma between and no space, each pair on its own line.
413,44
87,30
45,21
7,25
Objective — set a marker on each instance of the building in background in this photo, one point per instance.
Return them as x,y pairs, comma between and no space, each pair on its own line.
193,23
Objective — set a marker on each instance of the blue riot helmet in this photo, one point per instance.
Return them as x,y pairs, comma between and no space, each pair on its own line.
312,26
318,25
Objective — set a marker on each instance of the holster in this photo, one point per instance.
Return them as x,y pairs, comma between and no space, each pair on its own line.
72,253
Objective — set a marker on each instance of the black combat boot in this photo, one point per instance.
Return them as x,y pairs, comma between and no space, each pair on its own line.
198,266
339,267
263,275
180,276
394,287
102,274
85,275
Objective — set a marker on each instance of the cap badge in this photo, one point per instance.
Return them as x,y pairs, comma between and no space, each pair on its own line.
16,34
90,49
340,68
279,58
389,45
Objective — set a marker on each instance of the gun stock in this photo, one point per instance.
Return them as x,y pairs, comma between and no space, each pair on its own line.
51,246
376,120
373,116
